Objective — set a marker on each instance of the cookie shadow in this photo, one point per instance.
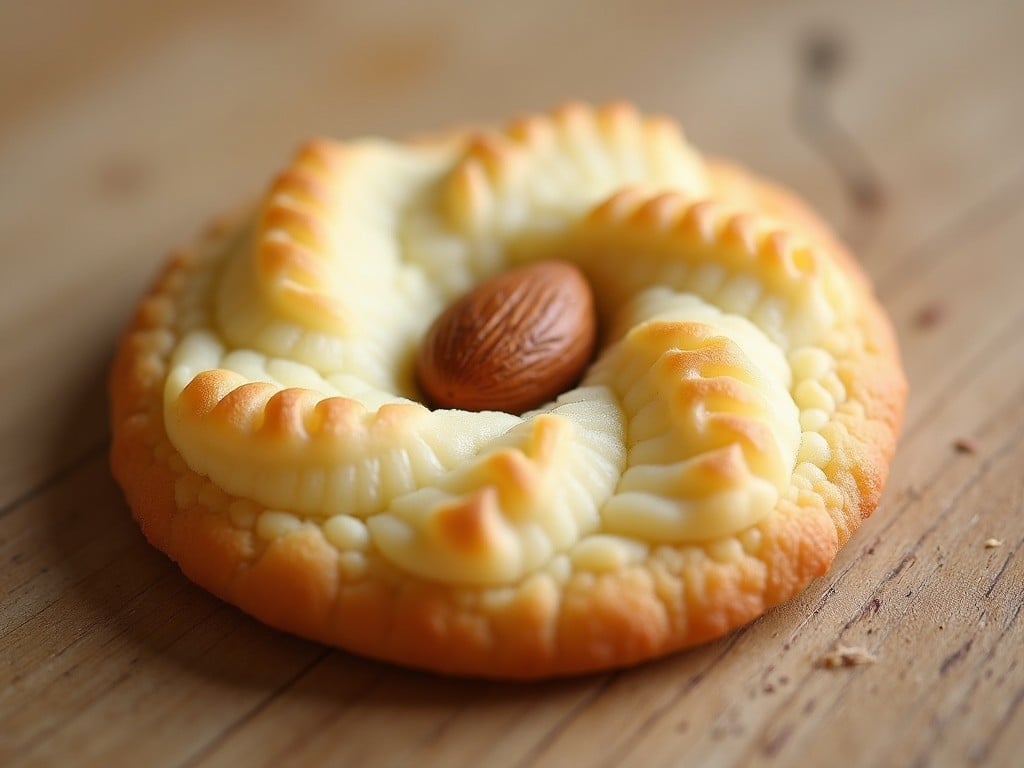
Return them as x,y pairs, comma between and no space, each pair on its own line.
128,600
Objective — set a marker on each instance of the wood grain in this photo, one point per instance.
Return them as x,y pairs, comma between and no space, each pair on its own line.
122,131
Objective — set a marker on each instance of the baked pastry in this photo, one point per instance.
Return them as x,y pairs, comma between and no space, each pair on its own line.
732,431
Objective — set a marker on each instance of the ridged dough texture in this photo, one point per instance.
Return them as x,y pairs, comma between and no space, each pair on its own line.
733,431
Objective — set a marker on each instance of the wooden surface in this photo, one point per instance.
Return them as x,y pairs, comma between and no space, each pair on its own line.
124,126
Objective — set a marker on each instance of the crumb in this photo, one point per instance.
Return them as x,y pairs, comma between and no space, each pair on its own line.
993,543
867,195
929,315
847,656
965,445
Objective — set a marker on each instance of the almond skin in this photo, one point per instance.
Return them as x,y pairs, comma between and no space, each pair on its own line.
513,343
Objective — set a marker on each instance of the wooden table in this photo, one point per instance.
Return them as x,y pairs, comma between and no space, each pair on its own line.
124,125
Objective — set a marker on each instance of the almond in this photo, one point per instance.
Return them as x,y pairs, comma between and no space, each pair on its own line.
512,343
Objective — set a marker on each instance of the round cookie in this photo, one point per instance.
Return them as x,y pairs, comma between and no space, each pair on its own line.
733,430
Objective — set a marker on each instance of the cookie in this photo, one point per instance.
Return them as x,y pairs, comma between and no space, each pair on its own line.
727,429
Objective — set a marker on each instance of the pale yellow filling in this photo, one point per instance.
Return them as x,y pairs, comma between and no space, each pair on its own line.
291,384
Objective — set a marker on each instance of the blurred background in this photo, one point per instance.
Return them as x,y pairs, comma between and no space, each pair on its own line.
170,111
196,102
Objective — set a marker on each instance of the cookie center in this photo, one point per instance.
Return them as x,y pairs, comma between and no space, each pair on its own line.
513,343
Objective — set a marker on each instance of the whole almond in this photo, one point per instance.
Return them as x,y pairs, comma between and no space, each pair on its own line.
512,343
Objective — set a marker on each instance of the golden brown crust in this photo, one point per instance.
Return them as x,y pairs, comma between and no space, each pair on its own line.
875,379
555,621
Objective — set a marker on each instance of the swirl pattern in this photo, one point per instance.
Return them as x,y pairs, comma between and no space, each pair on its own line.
732,432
